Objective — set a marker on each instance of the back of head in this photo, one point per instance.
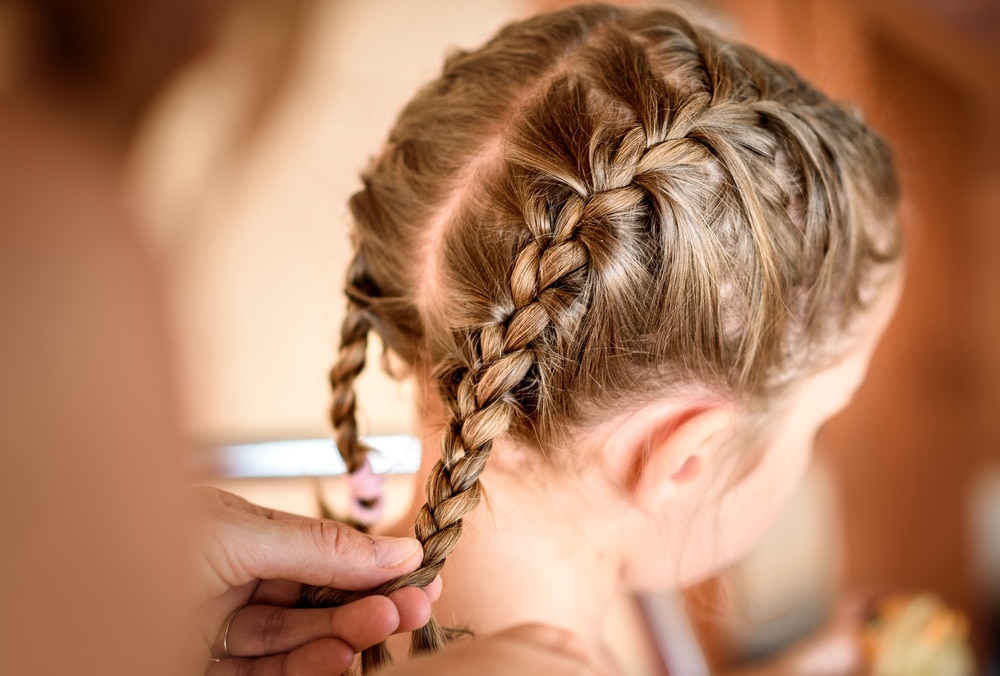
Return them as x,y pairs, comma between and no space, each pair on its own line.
599,208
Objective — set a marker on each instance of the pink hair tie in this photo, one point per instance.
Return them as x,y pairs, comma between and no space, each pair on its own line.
366,494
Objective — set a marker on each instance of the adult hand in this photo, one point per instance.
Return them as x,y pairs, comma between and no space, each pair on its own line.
525,649
252,562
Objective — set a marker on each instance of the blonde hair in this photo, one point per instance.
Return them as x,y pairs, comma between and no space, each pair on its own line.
596,208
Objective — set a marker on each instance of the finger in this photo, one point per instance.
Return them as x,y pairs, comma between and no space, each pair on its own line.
244,545
433,590
285,593
327,553
414,608
328,656
256,631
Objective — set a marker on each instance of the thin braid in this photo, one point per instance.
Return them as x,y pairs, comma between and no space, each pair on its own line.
351,358
365,486
350,363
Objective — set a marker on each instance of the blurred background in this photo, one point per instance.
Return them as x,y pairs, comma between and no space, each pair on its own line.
240,175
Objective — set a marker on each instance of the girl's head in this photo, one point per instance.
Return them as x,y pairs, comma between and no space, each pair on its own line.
608,219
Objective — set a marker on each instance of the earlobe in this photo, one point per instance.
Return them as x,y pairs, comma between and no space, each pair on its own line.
677,452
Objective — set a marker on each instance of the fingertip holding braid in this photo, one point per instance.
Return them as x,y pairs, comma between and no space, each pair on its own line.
600,206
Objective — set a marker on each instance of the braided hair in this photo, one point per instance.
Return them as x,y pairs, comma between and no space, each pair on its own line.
600,206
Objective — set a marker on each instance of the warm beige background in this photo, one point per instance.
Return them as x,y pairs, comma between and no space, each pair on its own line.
255,241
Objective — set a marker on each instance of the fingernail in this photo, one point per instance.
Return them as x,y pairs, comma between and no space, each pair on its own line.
390,552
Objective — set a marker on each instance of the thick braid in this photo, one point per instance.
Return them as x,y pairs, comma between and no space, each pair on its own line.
484,390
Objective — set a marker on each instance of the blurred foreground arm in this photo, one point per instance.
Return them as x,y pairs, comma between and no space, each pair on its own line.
94,542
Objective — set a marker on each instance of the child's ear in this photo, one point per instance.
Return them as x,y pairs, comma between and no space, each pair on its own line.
676,453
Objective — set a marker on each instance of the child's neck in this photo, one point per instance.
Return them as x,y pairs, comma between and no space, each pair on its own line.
514,565
521,559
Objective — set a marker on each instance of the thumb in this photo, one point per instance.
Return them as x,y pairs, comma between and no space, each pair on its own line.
326,553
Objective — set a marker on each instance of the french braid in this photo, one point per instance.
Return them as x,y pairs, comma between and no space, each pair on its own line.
598,207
